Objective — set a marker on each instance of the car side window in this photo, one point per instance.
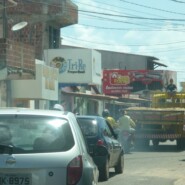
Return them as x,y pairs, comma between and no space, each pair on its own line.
106,130
88,126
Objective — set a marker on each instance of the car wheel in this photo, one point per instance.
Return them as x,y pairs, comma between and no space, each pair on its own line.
120,165
104,171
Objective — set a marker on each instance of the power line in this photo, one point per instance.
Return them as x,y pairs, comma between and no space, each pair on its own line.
131,17
103,18
177,1
121,21
129,29
159,44
111,5
113,15
144,6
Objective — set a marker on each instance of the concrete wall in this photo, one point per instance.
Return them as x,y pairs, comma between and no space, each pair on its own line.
116,60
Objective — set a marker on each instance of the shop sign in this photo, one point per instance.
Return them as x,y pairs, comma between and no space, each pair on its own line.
81,66
126,81
69,65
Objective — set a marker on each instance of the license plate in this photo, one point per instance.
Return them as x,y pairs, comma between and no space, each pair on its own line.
14,179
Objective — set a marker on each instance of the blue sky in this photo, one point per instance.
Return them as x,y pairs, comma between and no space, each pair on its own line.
146,27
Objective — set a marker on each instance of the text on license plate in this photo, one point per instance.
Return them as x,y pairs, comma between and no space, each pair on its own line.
14,179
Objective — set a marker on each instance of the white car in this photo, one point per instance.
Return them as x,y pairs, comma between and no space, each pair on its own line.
41,147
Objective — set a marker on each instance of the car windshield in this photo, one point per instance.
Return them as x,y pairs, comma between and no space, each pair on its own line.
89,126
33,134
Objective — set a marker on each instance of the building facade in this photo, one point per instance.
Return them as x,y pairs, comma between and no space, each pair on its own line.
20,46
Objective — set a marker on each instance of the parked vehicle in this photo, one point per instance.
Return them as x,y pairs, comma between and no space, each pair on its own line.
103,145
39,147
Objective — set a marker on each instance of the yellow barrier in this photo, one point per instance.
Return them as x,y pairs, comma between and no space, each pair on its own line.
166,100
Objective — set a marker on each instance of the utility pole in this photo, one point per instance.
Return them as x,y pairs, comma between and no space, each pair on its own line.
5,35
4,20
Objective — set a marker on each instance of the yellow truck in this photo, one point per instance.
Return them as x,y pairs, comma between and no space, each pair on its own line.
164,120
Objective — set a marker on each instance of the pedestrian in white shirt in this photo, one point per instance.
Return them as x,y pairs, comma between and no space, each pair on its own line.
126,124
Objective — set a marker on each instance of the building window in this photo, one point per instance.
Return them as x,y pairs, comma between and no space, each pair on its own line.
54,37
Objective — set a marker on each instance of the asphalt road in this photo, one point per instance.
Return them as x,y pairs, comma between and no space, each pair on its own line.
162,166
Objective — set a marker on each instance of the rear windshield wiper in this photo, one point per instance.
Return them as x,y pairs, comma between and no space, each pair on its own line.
10,149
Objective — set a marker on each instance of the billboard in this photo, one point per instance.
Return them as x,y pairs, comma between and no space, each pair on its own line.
118,82
76,66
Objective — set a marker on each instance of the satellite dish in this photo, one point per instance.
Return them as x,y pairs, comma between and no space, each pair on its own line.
13,2
19,26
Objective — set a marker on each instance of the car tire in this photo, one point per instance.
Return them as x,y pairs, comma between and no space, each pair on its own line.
120,165
104,171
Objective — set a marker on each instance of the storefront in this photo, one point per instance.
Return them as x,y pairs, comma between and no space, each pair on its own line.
78,70
92,104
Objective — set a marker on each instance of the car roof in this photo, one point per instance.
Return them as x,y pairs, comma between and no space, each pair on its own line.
89,116
95,117
37,112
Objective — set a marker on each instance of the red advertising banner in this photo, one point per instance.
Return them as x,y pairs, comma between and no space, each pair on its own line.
126,81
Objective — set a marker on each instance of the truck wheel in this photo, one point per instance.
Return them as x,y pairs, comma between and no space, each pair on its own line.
146,143
142,143
155,142
180,144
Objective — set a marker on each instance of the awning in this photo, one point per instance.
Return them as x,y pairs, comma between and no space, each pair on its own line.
90,96
128,104
106,97
155,64
133,100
